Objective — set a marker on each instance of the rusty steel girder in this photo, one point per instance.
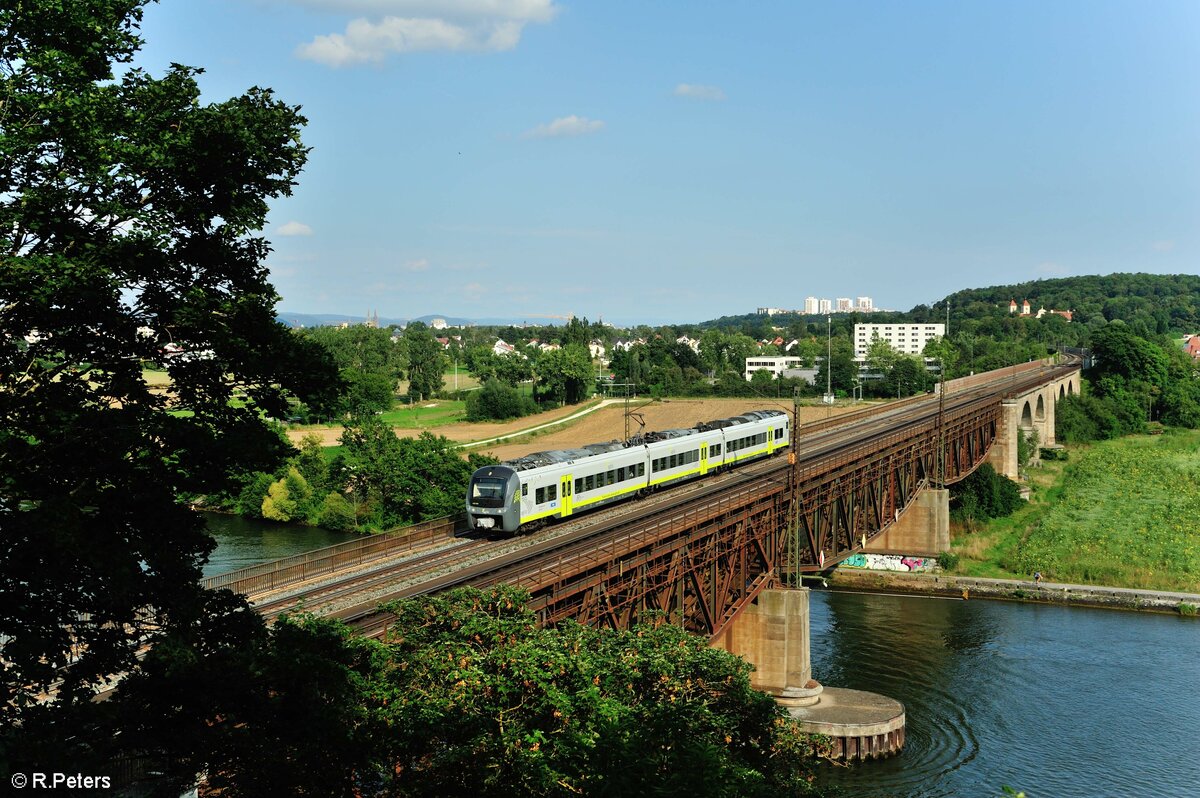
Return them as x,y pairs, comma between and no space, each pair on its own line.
839,503
698,569
701,566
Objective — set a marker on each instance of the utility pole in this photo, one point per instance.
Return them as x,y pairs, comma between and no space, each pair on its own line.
829,360
941,453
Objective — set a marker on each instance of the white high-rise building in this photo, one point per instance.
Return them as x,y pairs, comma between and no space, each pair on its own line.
864,304
810,305
908,339
844,305
826,307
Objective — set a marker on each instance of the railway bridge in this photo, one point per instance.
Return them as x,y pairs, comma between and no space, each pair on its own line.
702,554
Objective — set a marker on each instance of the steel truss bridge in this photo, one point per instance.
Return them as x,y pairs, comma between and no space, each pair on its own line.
698,556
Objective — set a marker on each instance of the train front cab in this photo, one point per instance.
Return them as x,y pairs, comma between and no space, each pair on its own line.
494,499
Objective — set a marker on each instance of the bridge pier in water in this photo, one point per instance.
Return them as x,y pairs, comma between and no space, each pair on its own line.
773,634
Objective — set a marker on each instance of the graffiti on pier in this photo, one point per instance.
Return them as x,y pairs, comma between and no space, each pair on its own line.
889,562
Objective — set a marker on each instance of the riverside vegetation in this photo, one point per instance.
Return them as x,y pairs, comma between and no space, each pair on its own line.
1120,513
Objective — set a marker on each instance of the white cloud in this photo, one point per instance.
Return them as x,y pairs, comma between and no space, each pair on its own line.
696,91
418,265
1163,246
294,228
527,10
411,26
564,126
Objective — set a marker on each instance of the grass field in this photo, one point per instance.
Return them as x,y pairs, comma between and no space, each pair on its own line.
434,413
1123,513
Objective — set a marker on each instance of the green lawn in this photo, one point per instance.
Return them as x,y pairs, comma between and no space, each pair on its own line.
1123,513
434,413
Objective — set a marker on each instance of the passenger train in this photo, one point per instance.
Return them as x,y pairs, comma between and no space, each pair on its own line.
560,483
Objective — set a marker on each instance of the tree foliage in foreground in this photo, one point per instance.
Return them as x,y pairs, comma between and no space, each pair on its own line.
467,696
128,219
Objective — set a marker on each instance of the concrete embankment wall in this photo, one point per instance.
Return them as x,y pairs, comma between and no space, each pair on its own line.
1010,590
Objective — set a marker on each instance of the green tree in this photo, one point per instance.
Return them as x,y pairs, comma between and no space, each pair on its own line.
881,357
337,513
361,349
129,213
404,480
368,392
844,369
249,500
288,499
426,363
497,401
477,700
565,374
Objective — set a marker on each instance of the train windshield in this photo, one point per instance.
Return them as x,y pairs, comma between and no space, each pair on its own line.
487,492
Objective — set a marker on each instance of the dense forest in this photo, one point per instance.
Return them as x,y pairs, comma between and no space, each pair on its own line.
1151,304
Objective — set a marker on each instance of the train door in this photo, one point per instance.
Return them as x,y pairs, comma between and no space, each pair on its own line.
770,440
567,498
703,459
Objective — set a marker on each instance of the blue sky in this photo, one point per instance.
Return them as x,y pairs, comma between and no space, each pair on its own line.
671,161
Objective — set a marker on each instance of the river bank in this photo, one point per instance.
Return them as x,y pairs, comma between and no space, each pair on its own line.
970,587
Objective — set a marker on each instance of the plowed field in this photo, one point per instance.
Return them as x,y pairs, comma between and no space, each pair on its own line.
605,424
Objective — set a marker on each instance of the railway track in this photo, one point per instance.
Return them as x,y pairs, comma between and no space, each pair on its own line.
495,563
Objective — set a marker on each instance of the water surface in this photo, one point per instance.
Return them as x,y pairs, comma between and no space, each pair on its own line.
1059,702
247,541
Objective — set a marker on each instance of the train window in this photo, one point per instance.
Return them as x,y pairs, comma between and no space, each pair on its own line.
641,469
600,483
621,474
612,477
579,485
590,482
714,450
779,433
540,496
525,489
551,493
674,460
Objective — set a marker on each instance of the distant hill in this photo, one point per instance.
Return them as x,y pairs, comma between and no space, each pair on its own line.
327,319
1156,304
1162,303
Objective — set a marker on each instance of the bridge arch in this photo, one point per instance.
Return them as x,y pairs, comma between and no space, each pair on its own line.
1026,415
1062,391
1040,413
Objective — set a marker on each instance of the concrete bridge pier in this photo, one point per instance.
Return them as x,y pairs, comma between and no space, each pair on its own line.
1003,454
923,528
773,634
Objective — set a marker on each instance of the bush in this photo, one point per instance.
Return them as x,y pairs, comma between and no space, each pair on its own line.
1054,454
1187,610
984,494
498,401
337,513
948,560
1027,446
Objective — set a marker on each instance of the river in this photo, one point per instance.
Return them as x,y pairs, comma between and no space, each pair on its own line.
1056,701
247,541
1060,702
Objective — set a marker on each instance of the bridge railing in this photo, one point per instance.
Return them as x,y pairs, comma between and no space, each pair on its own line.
319,562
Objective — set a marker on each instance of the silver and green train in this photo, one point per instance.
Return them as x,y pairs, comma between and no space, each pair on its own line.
560,483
